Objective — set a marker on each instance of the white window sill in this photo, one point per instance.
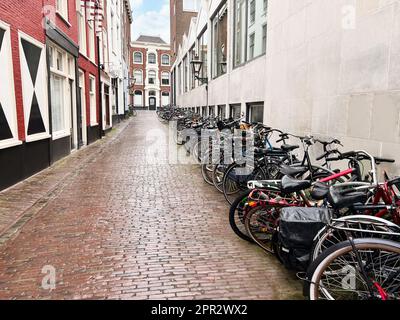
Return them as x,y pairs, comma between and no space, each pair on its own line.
83,54
37,137
94,124
60,135
10,143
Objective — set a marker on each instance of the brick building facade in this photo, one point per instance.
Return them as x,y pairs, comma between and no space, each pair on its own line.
150,67
181,14
50,97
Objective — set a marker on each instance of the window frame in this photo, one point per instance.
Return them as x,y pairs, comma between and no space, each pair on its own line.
149,60
92,42
162,59
66,72
63,11
141,75
141,57
221,11
247,35
163,73
151,71
200,52
82,30
92,98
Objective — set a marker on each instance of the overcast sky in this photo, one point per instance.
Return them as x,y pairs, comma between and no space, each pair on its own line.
150,17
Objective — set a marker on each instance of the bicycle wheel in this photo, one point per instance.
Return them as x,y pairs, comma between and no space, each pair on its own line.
330,235
206,172
236,216
261,224
338,275
234,181
218,176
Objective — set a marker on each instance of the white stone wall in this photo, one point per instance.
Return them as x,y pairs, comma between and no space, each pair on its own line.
330,75
332,69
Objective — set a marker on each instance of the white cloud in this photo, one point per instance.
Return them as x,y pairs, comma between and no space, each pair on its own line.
152,23
136,3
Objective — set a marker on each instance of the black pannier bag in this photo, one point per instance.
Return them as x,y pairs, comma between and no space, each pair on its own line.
297,229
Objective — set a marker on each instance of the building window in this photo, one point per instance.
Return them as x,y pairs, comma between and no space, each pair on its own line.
165,79
219,41
92,100
192,80
240,32
251,46
165,98
264,39
152,58
265,5
57,85
62,74
152,93
204,111
105,51
165,60
82,29
255,112
152,77
191,5
138,98
252,17
202,45
62,8
112,35
185,74
255,29
211,111
91,41
138,76
138,57
235,111
221,112
250,30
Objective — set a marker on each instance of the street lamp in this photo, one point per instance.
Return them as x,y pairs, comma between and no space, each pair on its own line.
197,64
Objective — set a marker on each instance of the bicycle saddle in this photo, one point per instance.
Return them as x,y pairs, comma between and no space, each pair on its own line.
292,170
340,200
262,151
319,191
288,147
290,185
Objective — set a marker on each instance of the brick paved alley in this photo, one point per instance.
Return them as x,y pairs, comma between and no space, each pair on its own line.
114,226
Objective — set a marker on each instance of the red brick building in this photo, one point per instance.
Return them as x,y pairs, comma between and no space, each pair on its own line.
150,67
51,99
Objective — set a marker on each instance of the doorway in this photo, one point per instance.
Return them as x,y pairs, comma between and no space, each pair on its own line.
82,97
107,104
73,113
152,103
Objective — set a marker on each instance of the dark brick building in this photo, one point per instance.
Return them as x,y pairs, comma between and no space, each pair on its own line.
181,13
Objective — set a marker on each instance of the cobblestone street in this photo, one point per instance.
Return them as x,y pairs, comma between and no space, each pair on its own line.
114,226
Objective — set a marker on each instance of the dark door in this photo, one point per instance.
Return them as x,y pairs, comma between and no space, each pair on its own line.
107,104
152,103
71,87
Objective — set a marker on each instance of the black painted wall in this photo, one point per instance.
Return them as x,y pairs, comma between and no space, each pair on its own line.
20,162
92,134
